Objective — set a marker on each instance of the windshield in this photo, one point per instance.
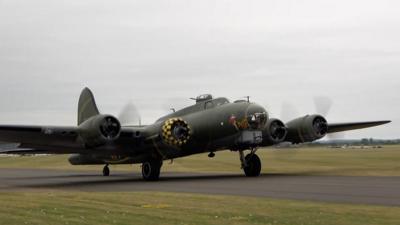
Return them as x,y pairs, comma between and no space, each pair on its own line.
220,101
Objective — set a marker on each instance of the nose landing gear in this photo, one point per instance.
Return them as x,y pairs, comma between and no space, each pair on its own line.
251,164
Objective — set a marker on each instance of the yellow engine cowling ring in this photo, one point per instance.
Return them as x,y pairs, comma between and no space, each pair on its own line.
169,135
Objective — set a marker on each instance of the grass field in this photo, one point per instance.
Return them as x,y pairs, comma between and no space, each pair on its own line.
54,207
316,160
168,208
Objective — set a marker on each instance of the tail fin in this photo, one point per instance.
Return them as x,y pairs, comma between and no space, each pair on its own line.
86,106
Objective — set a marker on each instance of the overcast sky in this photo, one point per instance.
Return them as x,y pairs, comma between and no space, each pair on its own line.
158,54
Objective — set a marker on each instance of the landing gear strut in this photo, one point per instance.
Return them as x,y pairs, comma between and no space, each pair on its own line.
151,169
106,171
251,164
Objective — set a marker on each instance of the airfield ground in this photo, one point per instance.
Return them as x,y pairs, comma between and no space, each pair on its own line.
305,161
45,204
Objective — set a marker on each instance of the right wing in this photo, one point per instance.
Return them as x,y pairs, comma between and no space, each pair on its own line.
53,140
38,134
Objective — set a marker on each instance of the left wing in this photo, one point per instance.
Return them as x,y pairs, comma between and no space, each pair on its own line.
339,127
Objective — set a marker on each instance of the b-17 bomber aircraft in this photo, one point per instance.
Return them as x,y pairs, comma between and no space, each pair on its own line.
208,126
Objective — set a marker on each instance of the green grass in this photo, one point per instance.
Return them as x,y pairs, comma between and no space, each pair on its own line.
54,207
317,161
170,208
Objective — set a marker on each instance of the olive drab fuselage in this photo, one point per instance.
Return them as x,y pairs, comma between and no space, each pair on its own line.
212,127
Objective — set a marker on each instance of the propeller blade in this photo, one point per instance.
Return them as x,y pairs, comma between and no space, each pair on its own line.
323,105
288,112
129,115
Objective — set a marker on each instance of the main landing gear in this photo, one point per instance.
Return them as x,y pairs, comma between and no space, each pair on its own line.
106,171
151,169
251,164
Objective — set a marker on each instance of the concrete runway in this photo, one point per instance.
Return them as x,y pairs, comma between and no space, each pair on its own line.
362,190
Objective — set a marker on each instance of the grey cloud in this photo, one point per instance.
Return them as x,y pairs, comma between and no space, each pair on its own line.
167,51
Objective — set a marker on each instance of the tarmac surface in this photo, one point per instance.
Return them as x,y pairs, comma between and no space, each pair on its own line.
343,189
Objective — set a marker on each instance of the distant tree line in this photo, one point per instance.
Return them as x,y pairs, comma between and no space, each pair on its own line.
363,141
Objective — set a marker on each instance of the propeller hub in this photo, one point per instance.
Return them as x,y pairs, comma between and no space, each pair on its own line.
110,127
320,126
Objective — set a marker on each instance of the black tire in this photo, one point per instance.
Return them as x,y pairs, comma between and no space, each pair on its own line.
253,168
106,171
151,170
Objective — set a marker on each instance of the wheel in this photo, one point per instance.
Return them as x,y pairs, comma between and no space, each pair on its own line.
151,170
106,171
253,167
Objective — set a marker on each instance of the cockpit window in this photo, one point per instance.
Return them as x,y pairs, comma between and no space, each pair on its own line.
257,120
215,103
220,101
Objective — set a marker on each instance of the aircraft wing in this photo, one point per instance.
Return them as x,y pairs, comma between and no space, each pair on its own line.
40,139
339,127
47,139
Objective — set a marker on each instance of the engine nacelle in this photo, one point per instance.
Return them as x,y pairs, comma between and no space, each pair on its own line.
98,130
306,129
274,132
